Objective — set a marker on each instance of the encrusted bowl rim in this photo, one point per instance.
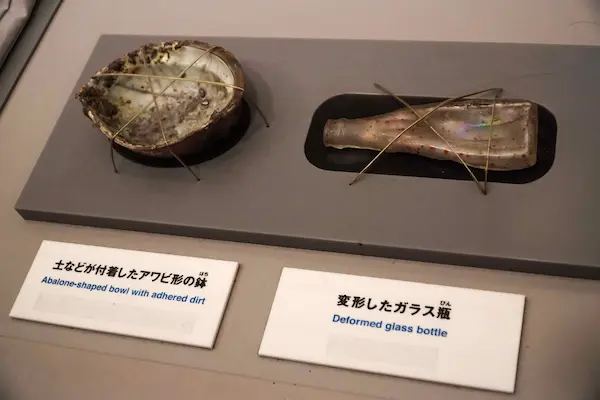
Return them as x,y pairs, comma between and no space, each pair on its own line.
228,58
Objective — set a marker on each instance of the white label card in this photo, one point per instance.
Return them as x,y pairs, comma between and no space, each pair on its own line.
435,333
149,295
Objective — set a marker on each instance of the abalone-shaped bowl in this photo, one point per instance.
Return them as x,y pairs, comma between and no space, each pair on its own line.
193,114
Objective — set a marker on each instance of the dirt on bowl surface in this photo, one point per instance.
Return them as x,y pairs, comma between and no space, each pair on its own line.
209,90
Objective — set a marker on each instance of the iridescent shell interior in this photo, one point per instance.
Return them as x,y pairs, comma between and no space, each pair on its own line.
186,107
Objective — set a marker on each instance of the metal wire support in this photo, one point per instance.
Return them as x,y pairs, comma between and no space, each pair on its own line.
423,117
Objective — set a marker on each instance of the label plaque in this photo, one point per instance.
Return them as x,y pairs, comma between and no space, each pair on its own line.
148,295
436,333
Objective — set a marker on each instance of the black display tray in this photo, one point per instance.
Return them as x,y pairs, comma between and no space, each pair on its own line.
356,105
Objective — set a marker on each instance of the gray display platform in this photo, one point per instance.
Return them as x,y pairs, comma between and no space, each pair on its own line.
265,191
